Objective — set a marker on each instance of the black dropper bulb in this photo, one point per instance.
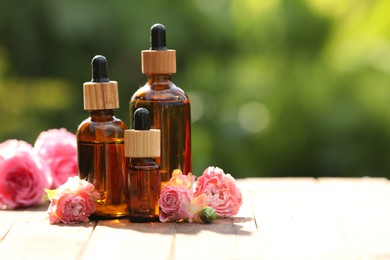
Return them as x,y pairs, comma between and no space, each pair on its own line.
157,37
99,69
141,119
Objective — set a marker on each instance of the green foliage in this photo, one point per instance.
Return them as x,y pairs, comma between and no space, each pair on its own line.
278,87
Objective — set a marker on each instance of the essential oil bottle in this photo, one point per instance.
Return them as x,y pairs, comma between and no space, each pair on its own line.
100,143
142,146
168,105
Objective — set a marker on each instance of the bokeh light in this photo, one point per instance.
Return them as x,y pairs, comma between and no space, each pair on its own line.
277,87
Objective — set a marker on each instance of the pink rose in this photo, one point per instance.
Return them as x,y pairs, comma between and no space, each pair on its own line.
72,202
177,199
174,203
222,193
23,175
59,148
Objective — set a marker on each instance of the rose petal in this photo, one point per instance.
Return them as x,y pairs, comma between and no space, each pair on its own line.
221,190
59,149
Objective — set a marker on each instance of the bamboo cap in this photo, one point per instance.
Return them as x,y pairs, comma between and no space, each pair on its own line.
100,93
158,60
98,96
142,142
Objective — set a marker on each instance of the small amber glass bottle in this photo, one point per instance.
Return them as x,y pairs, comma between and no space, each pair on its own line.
168,105
142,146
100,143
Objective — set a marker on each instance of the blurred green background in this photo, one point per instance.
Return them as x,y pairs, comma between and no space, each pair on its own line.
277,87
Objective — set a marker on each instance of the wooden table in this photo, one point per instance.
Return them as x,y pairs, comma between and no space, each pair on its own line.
282,218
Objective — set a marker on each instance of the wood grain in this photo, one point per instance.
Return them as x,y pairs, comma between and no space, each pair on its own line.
158,62
281,218
100,95
32,237
115,239
7,219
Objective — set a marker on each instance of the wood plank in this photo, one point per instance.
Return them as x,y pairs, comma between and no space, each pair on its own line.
272,210
172,240
331,219
231,238
362,210
313,230
7,219
293,223
32,237
247,236
281,218
122,239
209,241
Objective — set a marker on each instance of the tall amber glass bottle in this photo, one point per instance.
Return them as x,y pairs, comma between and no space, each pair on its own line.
168,105
100,143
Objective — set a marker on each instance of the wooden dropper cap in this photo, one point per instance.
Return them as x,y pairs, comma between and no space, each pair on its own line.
100,93
142,142
158,60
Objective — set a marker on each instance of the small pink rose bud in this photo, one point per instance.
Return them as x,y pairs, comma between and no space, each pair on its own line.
207,214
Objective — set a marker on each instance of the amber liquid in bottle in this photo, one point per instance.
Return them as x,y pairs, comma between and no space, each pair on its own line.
169,109
100,147
144,183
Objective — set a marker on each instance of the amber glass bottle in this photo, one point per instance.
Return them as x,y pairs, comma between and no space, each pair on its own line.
168,105
142,146
100,143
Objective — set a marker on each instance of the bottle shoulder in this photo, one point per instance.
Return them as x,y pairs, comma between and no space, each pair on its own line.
114,121
91,130
162,92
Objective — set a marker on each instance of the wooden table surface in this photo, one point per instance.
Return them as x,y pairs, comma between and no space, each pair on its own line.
281,218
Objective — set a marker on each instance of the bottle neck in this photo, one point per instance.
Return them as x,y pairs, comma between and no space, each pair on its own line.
160,80
102,115
143,162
